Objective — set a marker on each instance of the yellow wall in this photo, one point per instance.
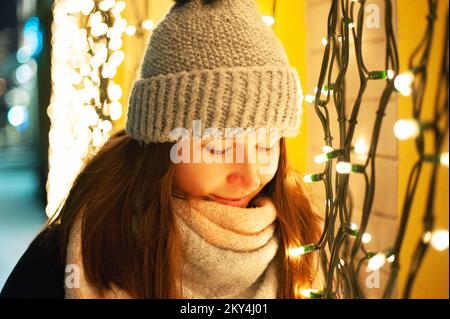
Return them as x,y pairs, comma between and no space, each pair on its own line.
134,46
290,27
432,280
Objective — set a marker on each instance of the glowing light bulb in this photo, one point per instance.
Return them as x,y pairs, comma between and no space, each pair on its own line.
343,168
361,147
322,158
324,41
444,159
105,5
327,149
17,115
390,74
120,6
351,25
99,29
130,30
85,70
97,137
268,20
108,71
312,178
353,226
148,24
115,44
403,83
310,99
366,238
115,110
391,258
114,91
377,261
87,6
440,239
426,237
406,129
293,252
309,293
116,58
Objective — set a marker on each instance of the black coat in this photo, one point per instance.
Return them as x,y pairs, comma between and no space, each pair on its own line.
39,273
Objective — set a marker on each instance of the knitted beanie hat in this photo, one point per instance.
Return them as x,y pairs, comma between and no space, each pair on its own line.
219,64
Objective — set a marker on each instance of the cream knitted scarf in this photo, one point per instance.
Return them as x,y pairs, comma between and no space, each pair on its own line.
229,252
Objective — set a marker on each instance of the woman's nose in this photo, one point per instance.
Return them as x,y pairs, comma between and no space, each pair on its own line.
245,176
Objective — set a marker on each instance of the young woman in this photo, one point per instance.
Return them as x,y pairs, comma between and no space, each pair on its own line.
138,223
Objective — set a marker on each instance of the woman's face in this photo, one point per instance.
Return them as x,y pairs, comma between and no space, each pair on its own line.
231,171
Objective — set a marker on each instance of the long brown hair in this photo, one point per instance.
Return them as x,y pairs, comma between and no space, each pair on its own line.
129,239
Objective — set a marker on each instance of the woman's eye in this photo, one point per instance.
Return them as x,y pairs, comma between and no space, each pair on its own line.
215,151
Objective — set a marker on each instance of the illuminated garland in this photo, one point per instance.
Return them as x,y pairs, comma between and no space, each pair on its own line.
340,257
86,53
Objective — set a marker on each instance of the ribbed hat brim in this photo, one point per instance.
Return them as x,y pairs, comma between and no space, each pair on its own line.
239,97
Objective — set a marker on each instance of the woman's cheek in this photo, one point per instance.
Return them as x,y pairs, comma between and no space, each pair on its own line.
268,165
197,179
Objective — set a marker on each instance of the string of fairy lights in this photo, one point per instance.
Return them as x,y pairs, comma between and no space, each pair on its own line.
86,52
341,246
417,78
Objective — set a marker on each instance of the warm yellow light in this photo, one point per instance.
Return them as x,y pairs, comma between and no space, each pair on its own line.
115,110
80,62
268,20
391,258
403,83
116,58
426,237
343,168
312,178
322,158
310,99
377,261
307,292
293,252
324,41
115,44
440,239
130,30
86,6
105,5
327,149
390,74
406,129
444,159
361,147
148,24
114,91
120,6
366,238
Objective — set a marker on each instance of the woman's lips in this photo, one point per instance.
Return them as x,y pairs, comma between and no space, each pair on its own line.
232,202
